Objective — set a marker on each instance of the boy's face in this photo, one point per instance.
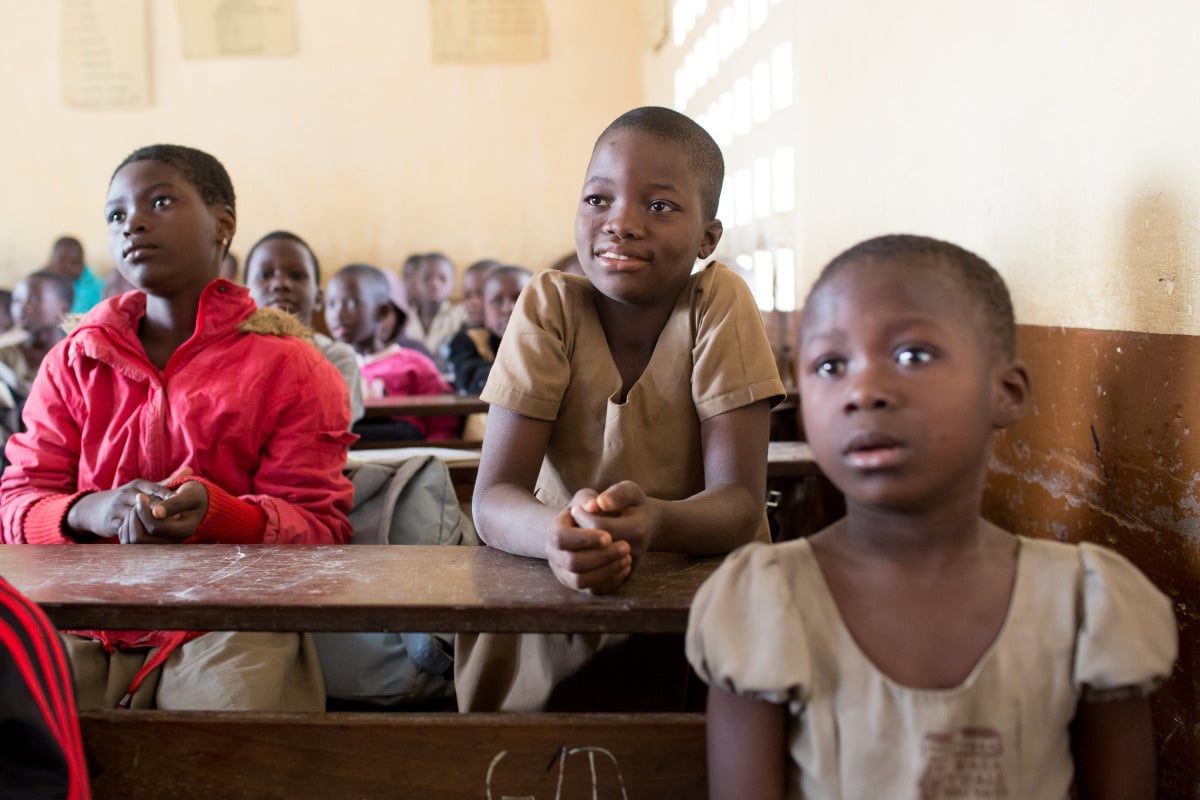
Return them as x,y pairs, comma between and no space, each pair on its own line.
499,297
901,386
640,225
280,274
435,281
349,313
37,306
66,259
472,291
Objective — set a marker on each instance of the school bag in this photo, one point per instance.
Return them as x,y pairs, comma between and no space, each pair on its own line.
406,501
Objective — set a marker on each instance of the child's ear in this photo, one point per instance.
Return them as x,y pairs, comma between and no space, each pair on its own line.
1012,393
226,223
712,235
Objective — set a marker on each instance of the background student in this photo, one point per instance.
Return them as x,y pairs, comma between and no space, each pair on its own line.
161,420
472,350
912,649
630,412
66,258
472,291
358,311
432,318
282,272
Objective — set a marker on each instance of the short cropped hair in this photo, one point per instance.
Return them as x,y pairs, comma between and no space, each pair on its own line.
67,241
286,236
62,285
483,265
199,168
703,153
506,270
372,280
981,280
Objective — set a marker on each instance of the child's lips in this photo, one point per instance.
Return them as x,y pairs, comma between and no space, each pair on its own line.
620,262
873,451
138,253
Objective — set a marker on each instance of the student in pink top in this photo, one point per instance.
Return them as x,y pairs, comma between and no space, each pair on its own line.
357,304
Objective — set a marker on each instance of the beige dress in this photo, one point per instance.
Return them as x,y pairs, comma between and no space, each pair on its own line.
1082,619
554,364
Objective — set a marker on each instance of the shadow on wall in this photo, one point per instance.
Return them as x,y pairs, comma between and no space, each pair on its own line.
1108,455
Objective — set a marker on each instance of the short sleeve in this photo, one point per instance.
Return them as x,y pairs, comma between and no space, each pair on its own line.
734,365
745,634
1128,636
532,369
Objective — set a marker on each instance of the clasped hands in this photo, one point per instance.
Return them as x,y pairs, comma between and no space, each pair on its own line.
596,538
142,512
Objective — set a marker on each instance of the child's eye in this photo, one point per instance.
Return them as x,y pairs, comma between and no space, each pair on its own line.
912,356
593,200
829,367
115,216
161,201
661,205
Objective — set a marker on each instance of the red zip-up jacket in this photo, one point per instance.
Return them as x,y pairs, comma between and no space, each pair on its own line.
262,419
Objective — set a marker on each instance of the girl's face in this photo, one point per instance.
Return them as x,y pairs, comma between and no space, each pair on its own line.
162,236
472,292
280,274
500,295
435,281
901,387
37,305
349,313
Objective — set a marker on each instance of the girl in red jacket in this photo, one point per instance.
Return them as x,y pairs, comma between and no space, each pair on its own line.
181,413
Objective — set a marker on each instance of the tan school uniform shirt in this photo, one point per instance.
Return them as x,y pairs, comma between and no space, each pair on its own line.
1082,621
554,364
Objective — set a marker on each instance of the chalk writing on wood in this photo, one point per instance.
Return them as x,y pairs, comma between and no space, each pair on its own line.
564,755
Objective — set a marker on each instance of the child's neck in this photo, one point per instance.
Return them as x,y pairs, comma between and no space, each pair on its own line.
169,322
426,311
632,334
936,533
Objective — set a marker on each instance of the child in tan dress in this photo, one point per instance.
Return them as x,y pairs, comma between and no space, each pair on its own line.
913,649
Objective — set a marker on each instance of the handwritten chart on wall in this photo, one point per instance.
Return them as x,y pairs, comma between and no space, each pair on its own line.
488,31
231,28
104,52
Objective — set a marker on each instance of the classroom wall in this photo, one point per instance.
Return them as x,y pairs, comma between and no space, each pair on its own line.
1058,141
358,142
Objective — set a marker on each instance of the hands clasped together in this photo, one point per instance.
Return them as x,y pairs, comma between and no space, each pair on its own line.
598,535
143,512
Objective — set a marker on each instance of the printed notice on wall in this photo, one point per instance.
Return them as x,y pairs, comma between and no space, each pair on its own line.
104,53
233,28
488,31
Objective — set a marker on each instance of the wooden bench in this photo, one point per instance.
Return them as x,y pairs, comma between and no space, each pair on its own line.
346,588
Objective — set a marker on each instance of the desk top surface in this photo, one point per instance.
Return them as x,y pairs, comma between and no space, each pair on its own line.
339,588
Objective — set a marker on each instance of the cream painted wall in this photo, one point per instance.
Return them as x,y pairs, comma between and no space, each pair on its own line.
1057,139
359,143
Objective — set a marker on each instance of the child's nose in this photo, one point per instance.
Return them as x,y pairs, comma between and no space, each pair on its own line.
868,391
623,221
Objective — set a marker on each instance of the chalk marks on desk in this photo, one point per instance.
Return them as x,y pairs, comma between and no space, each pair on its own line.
600,788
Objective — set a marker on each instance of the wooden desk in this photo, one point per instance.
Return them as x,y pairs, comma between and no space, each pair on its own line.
339,588
424,405
152,754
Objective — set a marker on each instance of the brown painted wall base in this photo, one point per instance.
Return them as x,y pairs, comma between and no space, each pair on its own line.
1108,456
